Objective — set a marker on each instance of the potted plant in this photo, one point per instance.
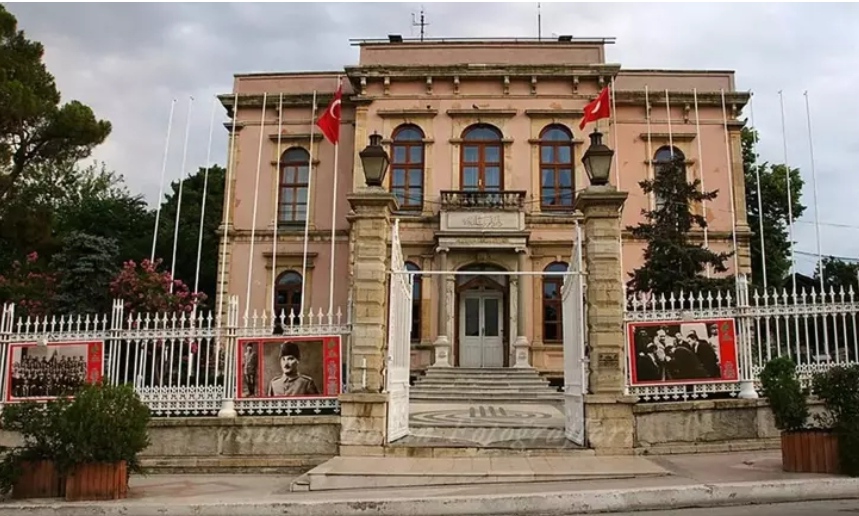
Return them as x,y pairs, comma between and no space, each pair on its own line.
804,448
838,388
30,470
103,430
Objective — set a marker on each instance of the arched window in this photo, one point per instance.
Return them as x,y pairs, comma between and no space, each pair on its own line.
556,168
294,165
287,294
407,164
416,302
481,159
552,321
662,160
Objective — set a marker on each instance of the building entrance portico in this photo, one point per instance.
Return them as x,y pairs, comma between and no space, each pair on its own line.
481,320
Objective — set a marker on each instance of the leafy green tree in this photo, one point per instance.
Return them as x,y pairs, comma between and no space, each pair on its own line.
773,180
672,262
837,274
30,286
189,228
34,128
85,267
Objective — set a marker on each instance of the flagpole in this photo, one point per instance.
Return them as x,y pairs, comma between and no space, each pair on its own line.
731,190
760,203
228,201
701,171
205,193
163,176
179,201
307,210
668,115
278,173
256,199
650,173
333,221
814,185
789,195
616,159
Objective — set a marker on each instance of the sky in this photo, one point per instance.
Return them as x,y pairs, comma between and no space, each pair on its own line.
128,61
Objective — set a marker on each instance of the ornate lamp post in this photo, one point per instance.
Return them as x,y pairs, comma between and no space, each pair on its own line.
597,160
375,161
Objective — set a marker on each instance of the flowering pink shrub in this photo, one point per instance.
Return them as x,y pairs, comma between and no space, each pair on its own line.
144,288
29,287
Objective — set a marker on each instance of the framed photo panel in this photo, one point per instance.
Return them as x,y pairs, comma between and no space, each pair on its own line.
38,373
289,367
682,352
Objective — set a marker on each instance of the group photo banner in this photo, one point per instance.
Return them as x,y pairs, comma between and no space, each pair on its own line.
682,352
289,367
41,373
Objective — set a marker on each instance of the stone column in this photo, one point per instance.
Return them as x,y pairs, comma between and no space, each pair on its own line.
521,346
442,342
609,420
363,410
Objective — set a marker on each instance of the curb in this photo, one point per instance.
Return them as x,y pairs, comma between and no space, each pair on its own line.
543,504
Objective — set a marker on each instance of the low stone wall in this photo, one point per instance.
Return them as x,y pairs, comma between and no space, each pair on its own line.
244,443
706,426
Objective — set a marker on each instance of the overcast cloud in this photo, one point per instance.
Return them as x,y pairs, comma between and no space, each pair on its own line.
128,61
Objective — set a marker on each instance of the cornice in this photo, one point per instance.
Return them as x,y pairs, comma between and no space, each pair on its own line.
482,112
471,70
407,113
737,99
554,113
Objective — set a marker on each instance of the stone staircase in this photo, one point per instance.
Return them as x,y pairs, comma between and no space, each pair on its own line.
487,385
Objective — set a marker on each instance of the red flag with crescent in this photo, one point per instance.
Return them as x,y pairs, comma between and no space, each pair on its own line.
329,121
596,109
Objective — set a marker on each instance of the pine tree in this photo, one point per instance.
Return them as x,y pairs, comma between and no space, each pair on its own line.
672,262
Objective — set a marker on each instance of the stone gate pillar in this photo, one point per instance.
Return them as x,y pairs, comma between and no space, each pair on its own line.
609,421
363,413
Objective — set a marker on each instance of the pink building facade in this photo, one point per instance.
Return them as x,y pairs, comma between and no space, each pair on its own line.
486,152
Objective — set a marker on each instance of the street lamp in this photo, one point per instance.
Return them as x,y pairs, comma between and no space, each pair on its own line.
375,160
597,160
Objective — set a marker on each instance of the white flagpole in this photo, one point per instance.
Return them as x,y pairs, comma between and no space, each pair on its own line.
205,193
616,159
163,175
278,171
650,172
256,199
228,201
307,211
701,170
333,219
179,201
789,195
760,205
814,185
668,116
731,190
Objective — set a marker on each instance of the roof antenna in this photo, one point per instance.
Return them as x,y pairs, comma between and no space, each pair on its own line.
539,23
422,24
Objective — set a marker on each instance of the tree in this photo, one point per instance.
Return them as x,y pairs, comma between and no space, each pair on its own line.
34,128
145,289
189,227
29,286
672,263
775,212
85,267
837,274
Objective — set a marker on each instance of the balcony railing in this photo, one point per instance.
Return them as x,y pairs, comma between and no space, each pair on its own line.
474,200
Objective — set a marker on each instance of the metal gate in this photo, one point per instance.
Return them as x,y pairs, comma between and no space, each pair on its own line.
399,345
575,362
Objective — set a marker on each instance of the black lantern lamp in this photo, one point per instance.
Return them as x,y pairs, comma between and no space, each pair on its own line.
597,160
375,160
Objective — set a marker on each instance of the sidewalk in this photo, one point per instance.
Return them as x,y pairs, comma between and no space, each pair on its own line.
693,481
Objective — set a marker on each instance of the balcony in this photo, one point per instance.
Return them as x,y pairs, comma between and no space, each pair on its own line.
472,211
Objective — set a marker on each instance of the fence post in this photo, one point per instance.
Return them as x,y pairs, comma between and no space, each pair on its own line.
228,341
7,325
747,381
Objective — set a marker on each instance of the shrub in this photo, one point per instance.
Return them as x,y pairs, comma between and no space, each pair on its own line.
838,388
782,388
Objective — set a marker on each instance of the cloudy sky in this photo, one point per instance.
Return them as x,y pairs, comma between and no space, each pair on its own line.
128,61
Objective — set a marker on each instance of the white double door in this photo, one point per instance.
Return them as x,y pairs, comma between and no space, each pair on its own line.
481,333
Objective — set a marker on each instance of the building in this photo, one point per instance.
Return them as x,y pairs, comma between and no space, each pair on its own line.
486,154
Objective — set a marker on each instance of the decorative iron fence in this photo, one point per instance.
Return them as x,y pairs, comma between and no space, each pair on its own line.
817,330
181,364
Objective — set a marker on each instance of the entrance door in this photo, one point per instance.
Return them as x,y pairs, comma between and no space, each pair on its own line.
481,336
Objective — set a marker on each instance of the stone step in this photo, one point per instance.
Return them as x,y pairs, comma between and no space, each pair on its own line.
482,371
480,388
513,381
511,396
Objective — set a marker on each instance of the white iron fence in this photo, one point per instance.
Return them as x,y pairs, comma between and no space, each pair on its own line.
816,330
181,364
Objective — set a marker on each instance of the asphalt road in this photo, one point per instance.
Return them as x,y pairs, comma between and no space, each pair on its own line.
833,508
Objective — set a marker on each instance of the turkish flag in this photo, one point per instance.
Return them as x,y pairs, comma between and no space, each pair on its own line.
597,109
329,122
